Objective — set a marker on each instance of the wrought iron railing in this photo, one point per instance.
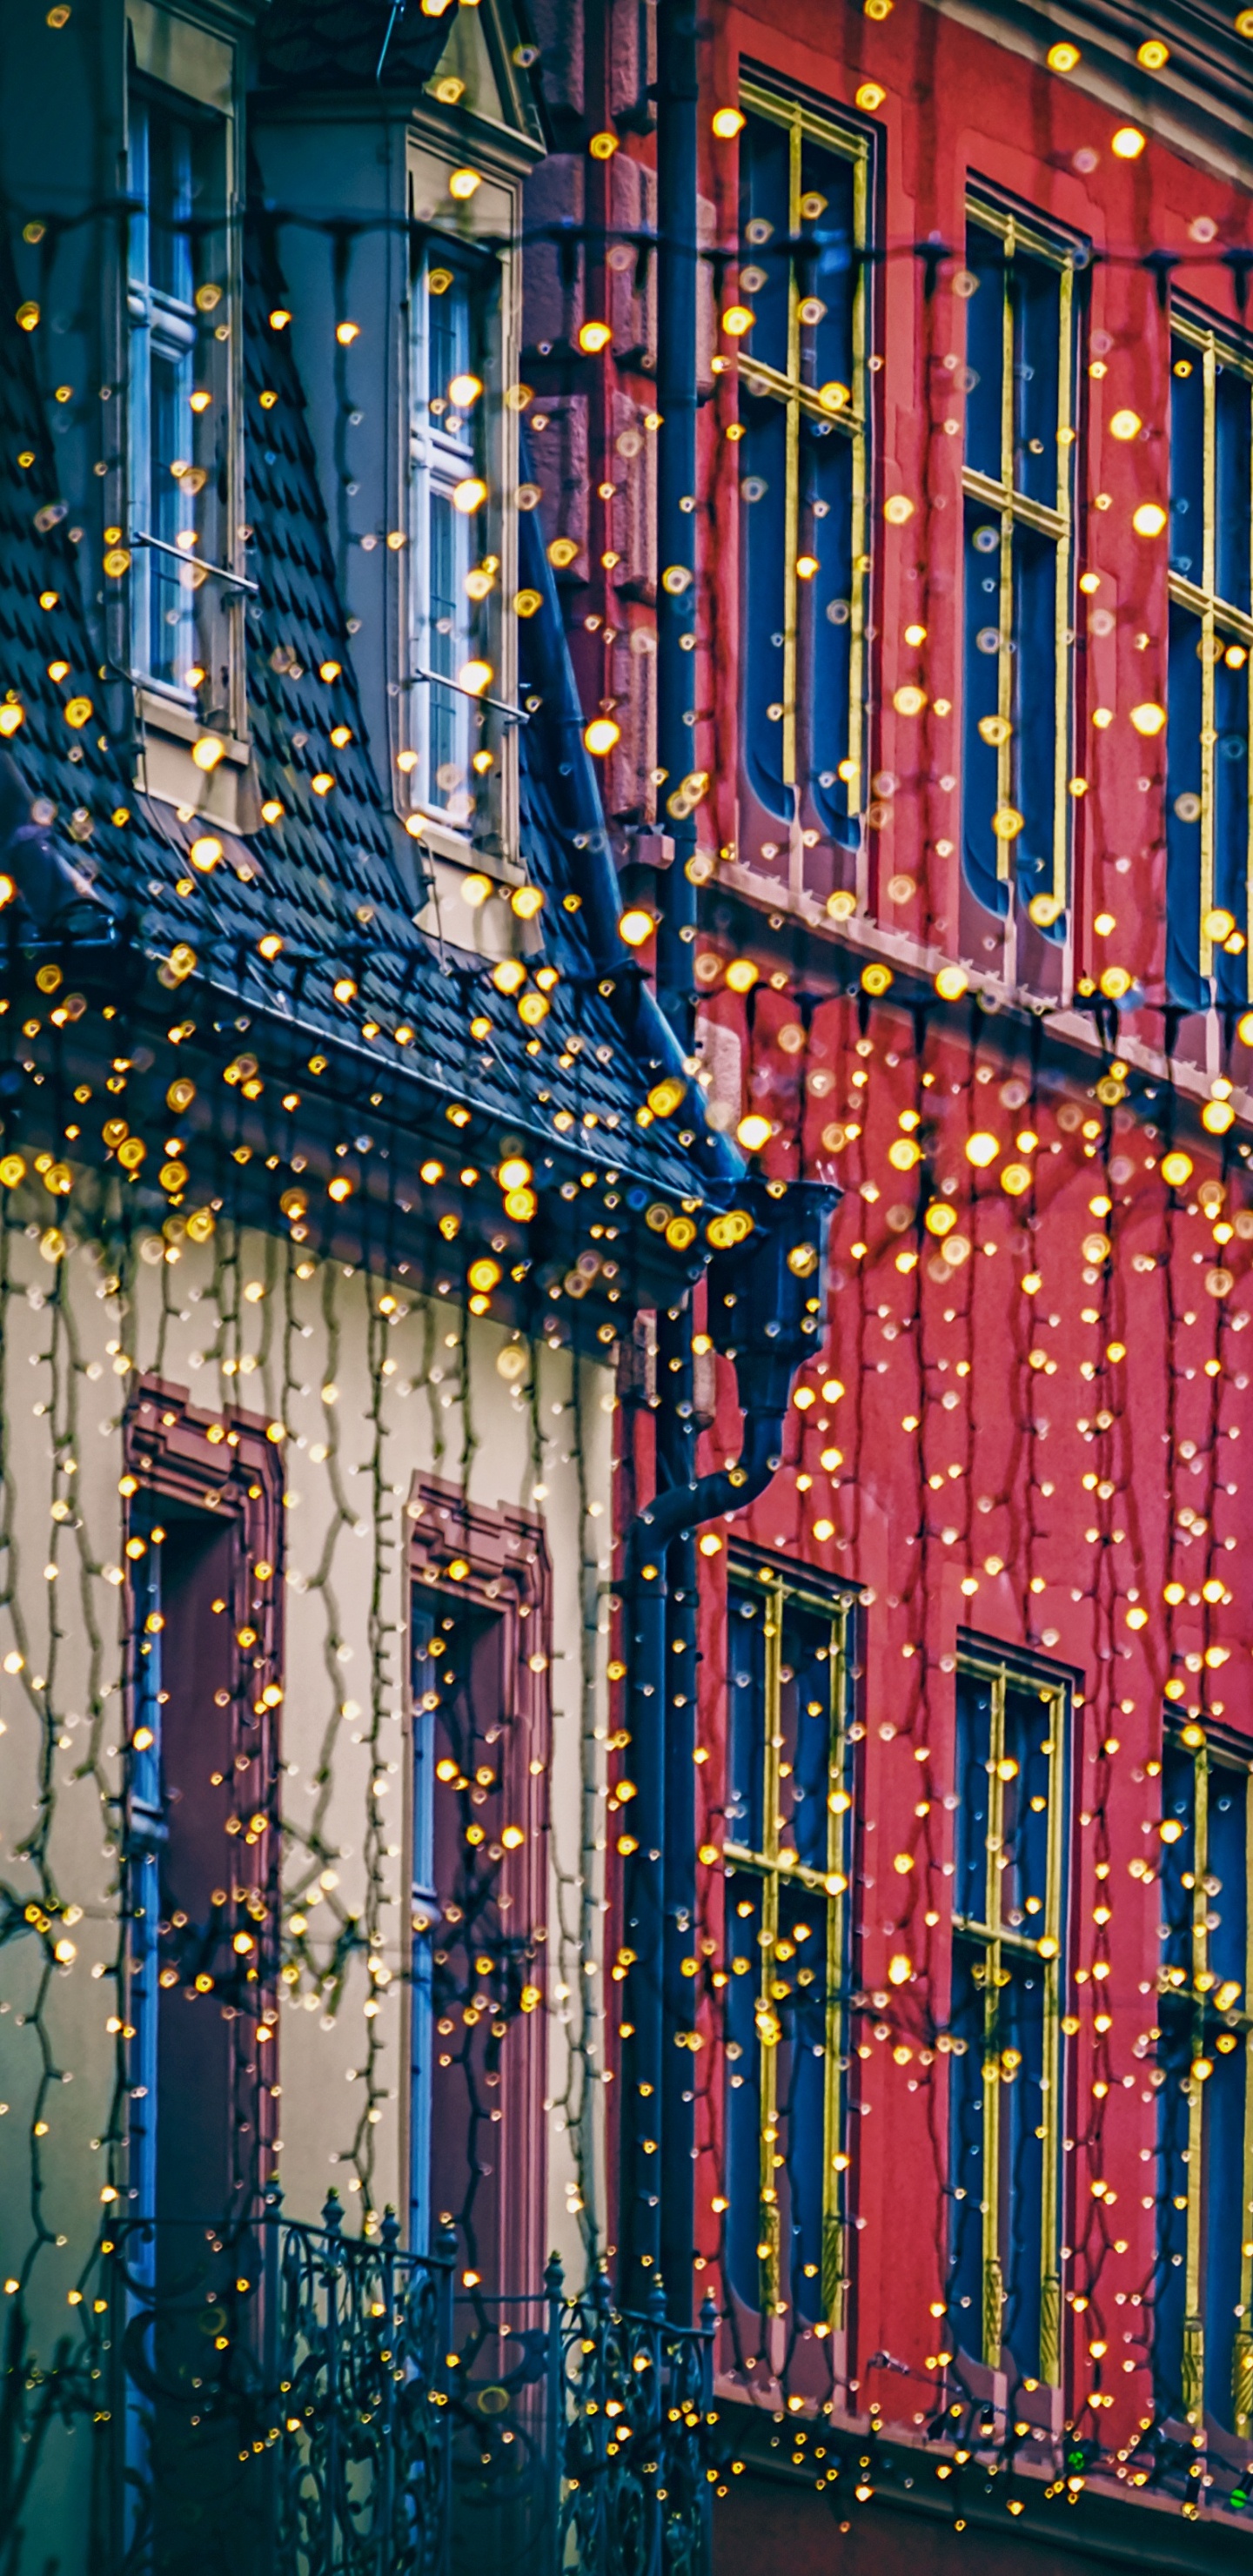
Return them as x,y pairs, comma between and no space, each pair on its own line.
583,2436
292,2402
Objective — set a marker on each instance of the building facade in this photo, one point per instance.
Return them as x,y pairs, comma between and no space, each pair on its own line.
326,1161
965,2095
624,666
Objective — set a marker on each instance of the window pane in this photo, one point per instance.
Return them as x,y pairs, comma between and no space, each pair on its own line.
825,629
1187,462
1233,462
980,784
1019,2049
974,1747
1174,2055
1036,293
1184,798
985,351
452,314
1025,1799
170,191
746,1687
449,714
174,171
1223,2197
1178,1836
1231,816
966,2146
1227,1864
806,1724
765,226
801,2078
1036,648
785,1942
827,272
744,2089
763,552
449,328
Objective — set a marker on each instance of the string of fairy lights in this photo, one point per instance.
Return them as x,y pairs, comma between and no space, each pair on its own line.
895,1273
1044,1198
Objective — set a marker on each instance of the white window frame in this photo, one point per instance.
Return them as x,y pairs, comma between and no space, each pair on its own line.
185,68
486,840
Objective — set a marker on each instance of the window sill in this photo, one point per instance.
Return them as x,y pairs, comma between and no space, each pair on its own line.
490,929
444,842
1070,1026
165,768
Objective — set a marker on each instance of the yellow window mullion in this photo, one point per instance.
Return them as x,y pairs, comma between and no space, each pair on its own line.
1242,2355
768,2019
1209,577
1061,598
1051,2109
1005,686
860,502
993,2277
1193,2322
834,2248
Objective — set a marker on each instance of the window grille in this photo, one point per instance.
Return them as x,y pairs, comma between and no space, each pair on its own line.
1209,830
1203,2345
1008,1945
789,1828
804,467
180,427
1019,605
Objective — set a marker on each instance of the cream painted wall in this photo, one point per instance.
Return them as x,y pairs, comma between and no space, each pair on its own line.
68,1353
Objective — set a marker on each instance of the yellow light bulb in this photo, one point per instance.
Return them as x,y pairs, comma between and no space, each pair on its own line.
753,1132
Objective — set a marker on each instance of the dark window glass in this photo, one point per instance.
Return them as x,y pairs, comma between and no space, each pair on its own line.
789,1812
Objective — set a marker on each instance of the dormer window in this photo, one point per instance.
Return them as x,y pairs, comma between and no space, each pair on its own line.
168,478
453,592
184,483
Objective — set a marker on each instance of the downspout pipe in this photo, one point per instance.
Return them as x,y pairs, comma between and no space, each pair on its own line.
568,783
767,1299
678,272
678,262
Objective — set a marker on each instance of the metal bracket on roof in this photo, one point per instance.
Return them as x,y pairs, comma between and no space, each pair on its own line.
436,680
181,555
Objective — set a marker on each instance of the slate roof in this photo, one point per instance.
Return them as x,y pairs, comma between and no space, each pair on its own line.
311,877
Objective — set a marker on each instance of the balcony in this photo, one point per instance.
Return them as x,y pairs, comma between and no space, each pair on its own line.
284,2401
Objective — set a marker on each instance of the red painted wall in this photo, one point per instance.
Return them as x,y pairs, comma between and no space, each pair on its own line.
1029,1463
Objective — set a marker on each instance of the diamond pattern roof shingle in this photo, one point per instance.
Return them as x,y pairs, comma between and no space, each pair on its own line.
325,878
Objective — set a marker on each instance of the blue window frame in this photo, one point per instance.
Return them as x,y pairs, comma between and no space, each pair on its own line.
1009,1929
1202,2320
803,463
1209,828
1019,501
791,1739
